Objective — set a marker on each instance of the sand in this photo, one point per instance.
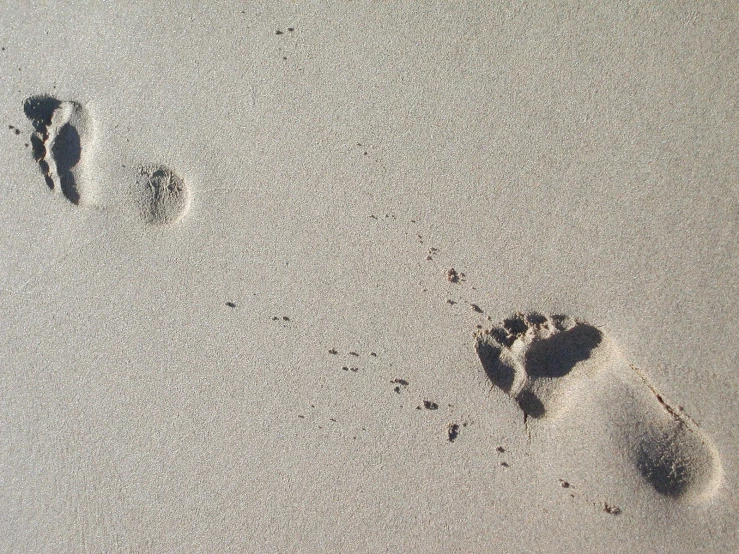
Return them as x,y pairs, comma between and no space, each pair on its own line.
228,319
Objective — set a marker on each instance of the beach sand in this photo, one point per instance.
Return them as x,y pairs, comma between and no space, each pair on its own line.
369,277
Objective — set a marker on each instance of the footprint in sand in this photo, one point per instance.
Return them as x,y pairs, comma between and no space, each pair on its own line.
546,364
61,139
161,195
62,132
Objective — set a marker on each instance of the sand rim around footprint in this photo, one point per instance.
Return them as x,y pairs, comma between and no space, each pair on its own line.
545,363
60,141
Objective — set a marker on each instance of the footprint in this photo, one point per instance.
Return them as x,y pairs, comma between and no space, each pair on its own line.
62,130
161,195
546,364
666,446
538,359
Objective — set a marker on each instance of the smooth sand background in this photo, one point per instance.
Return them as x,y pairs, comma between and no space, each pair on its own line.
569,158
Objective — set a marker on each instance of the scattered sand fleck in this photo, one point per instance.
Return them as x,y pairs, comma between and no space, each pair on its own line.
452,432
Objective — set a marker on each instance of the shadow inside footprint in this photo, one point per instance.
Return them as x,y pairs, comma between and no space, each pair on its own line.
39,110
501,375
664,469
530,404
56,142
557,355
67,152
675,459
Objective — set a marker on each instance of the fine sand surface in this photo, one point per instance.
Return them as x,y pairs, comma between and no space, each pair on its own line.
369,277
